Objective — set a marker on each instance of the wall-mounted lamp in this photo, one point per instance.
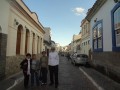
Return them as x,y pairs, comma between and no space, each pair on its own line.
95,20
16,22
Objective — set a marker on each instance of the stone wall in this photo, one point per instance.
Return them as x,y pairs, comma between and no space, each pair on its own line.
107,63
3,45
13,64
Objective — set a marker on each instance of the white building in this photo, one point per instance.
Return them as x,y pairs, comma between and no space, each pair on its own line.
104,19
52,43
47,39
58,47
76,43
85,38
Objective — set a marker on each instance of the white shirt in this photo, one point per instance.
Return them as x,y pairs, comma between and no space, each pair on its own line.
53,59
28,71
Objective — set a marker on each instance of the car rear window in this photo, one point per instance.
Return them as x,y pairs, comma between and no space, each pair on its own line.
78,55
84,56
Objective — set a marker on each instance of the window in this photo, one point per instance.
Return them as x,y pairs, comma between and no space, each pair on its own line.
88,42
115,13
97,36
117,26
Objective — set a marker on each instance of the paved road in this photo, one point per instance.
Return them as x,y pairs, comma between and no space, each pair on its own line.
72,78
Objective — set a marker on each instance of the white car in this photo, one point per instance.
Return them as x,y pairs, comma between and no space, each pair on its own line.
80,59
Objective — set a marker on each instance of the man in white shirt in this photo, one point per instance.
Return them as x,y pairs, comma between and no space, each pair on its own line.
53,63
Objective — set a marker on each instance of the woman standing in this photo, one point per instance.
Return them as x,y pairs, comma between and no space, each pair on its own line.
26,67
34,70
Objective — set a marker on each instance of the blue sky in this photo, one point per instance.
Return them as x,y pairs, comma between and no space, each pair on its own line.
62,16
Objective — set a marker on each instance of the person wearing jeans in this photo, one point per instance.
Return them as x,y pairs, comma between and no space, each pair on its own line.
34,71
53,63
25,65
44,67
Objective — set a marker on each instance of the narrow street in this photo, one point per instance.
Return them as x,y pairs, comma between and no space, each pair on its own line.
72,78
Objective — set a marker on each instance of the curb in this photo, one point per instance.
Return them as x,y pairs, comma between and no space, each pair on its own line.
17,81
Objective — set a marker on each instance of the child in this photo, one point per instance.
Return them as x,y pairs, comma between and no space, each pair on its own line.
34,70
44,67
26,67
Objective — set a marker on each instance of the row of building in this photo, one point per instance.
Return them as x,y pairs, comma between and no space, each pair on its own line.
100,37
20,33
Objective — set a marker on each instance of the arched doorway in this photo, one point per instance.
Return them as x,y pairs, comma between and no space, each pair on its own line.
18,42
26,40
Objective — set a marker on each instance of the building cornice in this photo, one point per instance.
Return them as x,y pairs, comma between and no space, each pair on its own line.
24,10
97,5
83,21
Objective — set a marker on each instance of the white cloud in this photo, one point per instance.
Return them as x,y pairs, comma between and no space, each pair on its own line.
79,11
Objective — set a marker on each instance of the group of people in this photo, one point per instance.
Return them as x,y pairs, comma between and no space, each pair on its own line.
37,69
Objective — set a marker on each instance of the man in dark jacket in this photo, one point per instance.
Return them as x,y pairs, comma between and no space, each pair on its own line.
26,67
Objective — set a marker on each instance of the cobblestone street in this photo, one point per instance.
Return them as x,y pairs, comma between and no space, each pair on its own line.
72,78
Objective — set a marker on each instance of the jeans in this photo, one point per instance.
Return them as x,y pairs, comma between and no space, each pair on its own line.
26,80
34,76
44,75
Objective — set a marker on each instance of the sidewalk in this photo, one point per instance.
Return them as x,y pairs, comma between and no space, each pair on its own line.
10,82
102,80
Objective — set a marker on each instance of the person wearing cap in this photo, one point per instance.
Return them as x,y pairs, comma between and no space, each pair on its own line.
53,63
25,65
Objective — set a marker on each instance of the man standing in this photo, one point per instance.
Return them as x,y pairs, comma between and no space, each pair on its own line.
53,63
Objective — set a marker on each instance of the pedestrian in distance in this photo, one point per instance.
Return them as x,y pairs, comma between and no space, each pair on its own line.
34,71
44,68
53,63
26,67
68,56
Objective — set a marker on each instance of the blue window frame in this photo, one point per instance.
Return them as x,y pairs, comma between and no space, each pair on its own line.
97,32
115,17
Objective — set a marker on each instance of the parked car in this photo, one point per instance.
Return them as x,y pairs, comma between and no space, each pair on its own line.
79,59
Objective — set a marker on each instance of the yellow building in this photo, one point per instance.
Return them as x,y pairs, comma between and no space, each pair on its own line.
85,45
21,33
75,44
